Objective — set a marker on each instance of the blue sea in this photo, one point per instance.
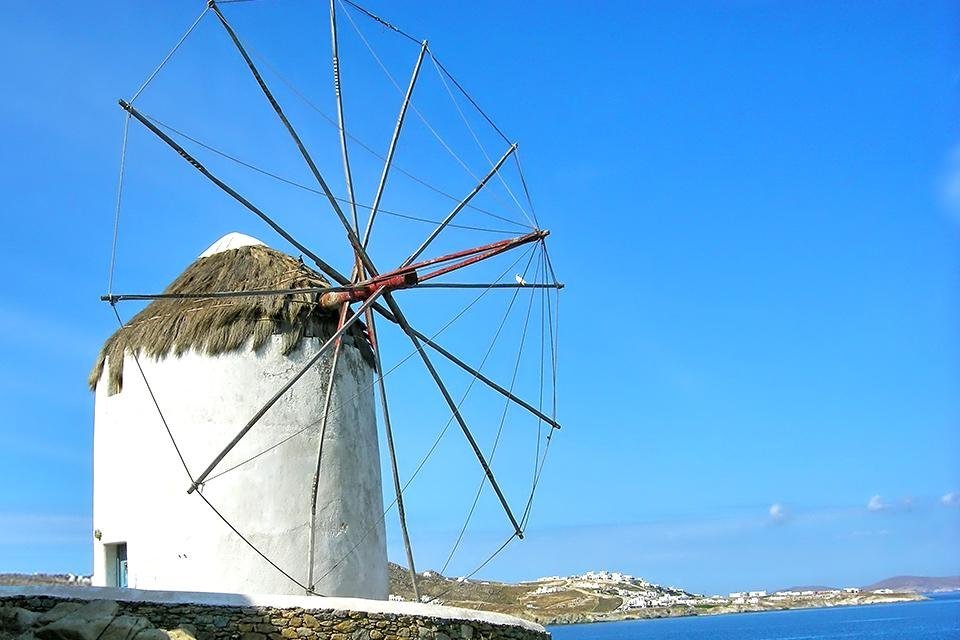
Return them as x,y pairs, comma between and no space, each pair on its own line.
934,619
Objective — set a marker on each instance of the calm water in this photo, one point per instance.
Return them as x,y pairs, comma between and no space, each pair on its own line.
935,619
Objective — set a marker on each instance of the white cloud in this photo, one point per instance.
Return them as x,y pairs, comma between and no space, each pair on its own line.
778,513
951,499
876,503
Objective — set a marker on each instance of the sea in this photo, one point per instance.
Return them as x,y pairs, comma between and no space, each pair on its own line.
935,619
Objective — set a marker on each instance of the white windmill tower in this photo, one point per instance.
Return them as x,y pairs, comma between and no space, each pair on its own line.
211,364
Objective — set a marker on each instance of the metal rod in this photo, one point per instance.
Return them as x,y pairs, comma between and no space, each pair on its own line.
480,285
286,387
402,321
348,175
166,59
393,142
358,269
251,293
323,266
482,378
463,203
327,396
388,428
391,316
351,234
359,288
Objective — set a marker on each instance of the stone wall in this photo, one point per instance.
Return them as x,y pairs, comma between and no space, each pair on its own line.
202,621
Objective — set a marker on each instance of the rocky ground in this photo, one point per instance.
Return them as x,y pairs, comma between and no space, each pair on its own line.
97,620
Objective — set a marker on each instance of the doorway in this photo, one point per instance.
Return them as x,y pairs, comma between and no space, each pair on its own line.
116,560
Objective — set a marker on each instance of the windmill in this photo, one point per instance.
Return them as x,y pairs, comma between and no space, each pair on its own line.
251,349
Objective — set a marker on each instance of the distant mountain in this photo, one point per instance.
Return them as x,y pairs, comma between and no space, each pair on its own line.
917,584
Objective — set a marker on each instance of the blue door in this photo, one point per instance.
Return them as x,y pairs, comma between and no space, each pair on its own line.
122,565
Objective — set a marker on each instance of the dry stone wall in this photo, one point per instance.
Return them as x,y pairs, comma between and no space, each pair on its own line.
55,618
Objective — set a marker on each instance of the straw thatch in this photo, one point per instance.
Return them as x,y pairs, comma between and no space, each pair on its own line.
221,325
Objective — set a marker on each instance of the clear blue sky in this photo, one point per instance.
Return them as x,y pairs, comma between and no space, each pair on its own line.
755,207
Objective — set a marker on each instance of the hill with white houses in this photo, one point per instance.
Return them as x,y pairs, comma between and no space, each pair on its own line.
612,595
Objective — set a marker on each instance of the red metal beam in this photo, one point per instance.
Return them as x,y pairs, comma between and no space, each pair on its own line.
508,243
364,290
408,277
479,257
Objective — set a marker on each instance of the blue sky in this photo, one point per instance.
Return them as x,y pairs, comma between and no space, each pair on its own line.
754,206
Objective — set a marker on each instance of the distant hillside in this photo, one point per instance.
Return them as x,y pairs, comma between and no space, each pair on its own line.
602,595
606,595
37,579
917,584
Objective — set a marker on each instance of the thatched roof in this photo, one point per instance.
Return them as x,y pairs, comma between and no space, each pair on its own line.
220,325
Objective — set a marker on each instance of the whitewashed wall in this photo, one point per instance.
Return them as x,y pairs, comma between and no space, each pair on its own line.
174,541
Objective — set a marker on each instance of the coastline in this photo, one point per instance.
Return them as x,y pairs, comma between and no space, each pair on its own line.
655,613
